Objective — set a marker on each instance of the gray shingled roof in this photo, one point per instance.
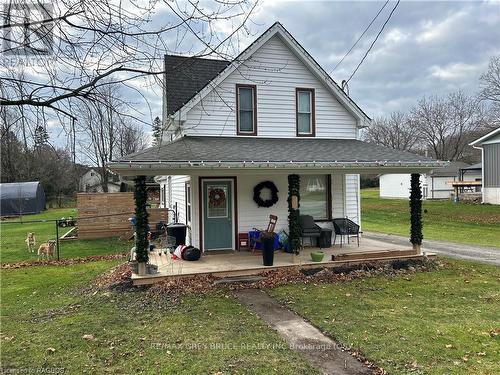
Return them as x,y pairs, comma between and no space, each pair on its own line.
248,149
474,166
186,76
451,169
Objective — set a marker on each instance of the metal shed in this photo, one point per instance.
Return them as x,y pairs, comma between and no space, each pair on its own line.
21,198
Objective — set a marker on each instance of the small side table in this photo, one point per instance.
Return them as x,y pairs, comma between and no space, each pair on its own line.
325,238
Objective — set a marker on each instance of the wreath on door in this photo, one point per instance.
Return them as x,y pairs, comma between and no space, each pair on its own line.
216,197
257,190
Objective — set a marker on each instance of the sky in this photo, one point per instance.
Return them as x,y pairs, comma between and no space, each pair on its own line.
427,48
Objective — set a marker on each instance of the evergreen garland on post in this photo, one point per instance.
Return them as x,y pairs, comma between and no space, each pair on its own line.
416,235
141,217
294,213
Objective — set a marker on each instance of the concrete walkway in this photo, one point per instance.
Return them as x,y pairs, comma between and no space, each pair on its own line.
322,352
453,250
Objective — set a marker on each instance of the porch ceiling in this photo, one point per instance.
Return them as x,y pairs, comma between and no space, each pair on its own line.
190,153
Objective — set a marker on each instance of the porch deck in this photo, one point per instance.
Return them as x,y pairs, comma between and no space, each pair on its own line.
239,263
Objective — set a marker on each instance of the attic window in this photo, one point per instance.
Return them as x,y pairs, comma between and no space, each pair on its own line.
246,109
305,112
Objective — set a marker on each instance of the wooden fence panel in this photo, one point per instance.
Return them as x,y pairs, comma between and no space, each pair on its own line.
103,215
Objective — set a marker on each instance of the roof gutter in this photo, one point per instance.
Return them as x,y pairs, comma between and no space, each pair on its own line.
201,164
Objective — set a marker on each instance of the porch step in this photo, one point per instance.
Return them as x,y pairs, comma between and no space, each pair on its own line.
239,279
373,254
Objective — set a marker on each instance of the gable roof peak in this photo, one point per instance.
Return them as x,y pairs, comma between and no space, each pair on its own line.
299,51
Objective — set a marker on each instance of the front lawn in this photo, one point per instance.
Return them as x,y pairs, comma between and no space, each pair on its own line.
13,235
45,316
443,220
441,322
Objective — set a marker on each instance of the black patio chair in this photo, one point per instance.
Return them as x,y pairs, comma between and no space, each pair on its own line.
345,227
309,228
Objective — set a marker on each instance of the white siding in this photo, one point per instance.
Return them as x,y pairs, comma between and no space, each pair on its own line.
338,192
352,197
395,186
250,215
491,195
439,187
276,72
178,196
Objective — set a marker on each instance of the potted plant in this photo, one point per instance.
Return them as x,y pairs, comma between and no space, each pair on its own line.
317,256
267,240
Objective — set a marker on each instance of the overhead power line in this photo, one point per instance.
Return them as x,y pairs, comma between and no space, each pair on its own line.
374,41
361,36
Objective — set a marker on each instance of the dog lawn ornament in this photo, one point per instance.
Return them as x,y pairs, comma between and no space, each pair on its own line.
46,250
31,242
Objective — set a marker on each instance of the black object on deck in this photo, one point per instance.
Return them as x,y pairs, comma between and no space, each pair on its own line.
325,238
177,230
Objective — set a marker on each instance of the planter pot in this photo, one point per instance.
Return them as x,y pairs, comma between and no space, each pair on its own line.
141,269
134,266
268,250
417,249
317,256
151,269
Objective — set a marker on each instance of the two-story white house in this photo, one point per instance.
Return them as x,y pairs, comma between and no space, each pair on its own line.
269,113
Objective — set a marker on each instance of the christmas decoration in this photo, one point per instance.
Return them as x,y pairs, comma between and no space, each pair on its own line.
257,190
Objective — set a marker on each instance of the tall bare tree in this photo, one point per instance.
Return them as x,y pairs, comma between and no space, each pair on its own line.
73,47
446,123
105,130
131,138
394,131
490,91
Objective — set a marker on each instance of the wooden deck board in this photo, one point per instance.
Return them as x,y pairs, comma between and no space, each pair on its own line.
245,263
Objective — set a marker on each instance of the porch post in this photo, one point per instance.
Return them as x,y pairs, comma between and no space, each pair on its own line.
416,235
141,227
294,230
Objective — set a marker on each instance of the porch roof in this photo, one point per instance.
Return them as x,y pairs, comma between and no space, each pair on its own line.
255,152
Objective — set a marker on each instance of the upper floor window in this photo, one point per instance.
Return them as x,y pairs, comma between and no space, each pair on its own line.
305,112
246,109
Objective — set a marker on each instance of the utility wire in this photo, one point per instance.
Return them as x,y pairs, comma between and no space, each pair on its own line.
361,36
373,43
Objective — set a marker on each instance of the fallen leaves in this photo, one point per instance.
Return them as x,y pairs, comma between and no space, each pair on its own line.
116,275
64,262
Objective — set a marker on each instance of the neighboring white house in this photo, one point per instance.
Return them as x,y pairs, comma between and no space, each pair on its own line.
270,113
435,184
90,182
490,154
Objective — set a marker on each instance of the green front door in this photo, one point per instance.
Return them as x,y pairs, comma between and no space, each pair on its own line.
217,215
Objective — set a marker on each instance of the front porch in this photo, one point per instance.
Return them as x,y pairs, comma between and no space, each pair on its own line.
242,263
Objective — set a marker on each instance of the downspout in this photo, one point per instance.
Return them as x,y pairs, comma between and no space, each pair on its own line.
482,175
